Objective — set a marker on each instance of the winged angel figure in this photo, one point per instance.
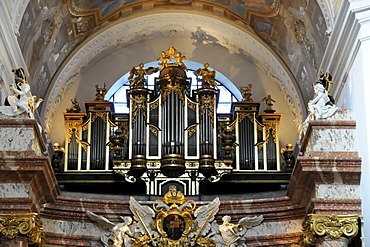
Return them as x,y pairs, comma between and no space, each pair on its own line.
227,234
131,232
233,235
141,230
118,234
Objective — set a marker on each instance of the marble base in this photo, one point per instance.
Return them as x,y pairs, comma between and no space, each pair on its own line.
329,242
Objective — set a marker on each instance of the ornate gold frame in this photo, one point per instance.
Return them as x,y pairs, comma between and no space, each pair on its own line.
174,208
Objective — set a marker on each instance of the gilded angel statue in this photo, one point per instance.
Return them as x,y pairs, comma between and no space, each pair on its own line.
208,76
137,76
232,234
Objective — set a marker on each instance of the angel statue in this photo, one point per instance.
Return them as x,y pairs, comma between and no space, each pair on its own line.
137,76
22,99
164,59
208,76
119,234
321,106
233,235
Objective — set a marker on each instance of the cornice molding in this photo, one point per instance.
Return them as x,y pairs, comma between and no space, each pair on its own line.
328,12
156,25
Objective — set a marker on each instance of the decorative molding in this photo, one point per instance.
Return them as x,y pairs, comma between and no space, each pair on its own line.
26,224
333,226
18,12
327,10
348,33
153,26
10,54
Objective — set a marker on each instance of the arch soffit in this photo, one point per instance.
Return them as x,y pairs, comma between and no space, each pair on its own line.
159,25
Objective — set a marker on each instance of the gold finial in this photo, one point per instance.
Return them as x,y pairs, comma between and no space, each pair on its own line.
171,51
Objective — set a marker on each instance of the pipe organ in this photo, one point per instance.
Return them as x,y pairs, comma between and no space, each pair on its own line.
172,133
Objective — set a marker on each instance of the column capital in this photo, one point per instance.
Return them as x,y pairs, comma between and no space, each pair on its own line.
27,224
333,226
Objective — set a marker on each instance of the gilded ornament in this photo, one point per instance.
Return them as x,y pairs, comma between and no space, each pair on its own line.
26,224
333,226
175,221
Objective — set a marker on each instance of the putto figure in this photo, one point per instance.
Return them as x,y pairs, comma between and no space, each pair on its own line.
321,107
100,92
247,93
22,100
137,76
207,76
75,108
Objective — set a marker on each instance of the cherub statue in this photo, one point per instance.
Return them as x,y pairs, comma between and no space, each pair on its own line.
179,59
233,235
75,106
269,102
208,76
164,58
137,76
22,99
321,106
247,93
100,92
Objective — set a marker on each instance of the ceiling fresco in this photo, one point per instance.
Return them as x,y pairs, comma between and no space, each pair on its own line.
51,31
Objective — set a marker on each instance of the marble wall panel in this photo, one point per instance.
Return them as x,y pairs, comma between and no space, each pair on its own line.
338,191
71,228
277,227
14,190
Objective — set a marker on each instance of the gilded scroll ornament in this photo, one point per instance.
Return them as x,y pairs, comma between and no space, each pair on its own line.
207,101
333,226
26,224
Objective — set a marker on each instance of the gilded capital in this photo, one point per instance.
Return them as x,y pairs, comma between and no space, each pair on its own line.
26,224
333,226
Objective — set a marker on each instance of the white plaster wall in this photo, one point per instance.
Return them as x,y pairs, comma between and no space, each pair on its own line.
355,96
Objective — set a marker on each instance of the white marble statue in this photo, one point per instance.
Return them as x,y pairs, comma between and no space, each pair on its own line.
233,235
22,100
118,234
321,107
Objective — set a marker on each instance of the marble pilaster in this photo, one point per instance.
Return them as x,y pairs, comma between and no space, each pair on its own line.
326,178
26,177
